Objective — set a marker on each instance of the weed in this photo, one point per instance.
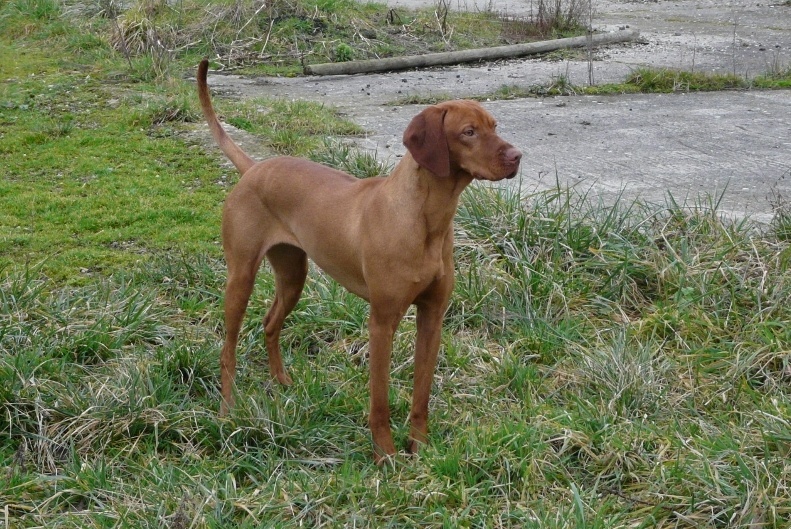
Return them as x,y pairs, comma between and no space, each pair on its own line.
641,80
39,10
781,220
138,33
343,52
645,80
340,155
649,80
559,16
417,99
291,127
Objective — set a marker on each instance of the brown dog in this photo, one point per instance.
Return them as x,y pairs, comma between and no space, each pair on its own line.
388,240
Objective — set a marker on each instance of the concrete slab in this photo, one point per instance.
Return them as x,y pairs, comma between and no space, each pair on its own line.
735,144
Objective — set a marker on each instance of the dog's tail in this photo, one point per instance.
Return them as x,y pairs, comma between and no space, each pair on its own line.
227,145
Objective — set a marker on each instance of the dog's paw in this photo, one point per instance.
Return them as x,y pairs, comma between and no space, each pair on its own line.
413,446
283,379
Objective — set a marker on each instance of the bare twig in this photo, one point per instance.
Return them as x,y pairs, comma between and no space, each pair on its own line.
263,5
121,36
268,34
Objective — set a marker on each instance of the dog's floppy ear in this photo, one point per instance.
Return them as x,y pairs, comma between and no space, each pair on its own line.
425,139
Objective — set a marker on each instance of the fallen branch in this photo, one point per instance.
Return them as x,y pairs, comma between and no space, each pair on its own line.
457,57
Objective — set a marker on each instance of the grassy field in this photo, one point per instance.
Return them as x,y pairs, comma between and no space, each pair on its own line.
607,366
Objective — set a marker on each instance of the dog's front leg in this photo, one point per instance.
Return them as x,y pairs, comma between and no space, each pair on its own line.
382,325
429,334
431,308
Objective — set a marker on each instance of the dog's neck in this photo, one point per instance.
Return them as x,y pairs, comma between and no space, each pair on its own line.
441,193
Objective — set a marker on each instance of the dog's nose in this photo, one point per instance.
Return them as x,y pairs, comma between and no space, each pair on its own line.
513,155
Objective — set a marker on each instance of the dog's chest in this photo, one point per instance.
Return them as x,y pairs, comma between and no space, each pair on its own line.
430,266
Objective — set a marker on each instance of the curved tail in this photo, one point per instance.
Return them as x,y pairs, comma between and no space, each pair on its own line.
227,145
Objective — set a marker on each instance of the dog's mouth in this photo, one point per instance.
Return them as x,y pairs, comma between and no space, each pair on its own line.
503,167
508,176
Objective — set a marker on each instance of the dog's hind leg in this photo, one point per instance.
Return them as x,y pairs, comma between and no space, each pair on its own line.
290,266
239,286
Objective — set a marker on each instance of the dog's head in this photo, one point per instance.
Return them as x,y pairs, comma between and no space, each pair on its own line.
460,136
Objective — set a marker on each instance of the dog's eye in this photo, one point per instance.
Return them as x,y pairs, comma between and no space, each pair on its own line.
469,132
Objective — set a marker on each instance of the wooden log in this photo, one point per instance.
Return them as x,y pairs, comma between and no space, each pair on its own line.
456,57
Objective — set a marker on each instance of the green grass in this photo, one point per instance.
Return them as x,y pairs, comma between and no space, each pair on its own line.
602,366
292,127
643,80
96,176
663,80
